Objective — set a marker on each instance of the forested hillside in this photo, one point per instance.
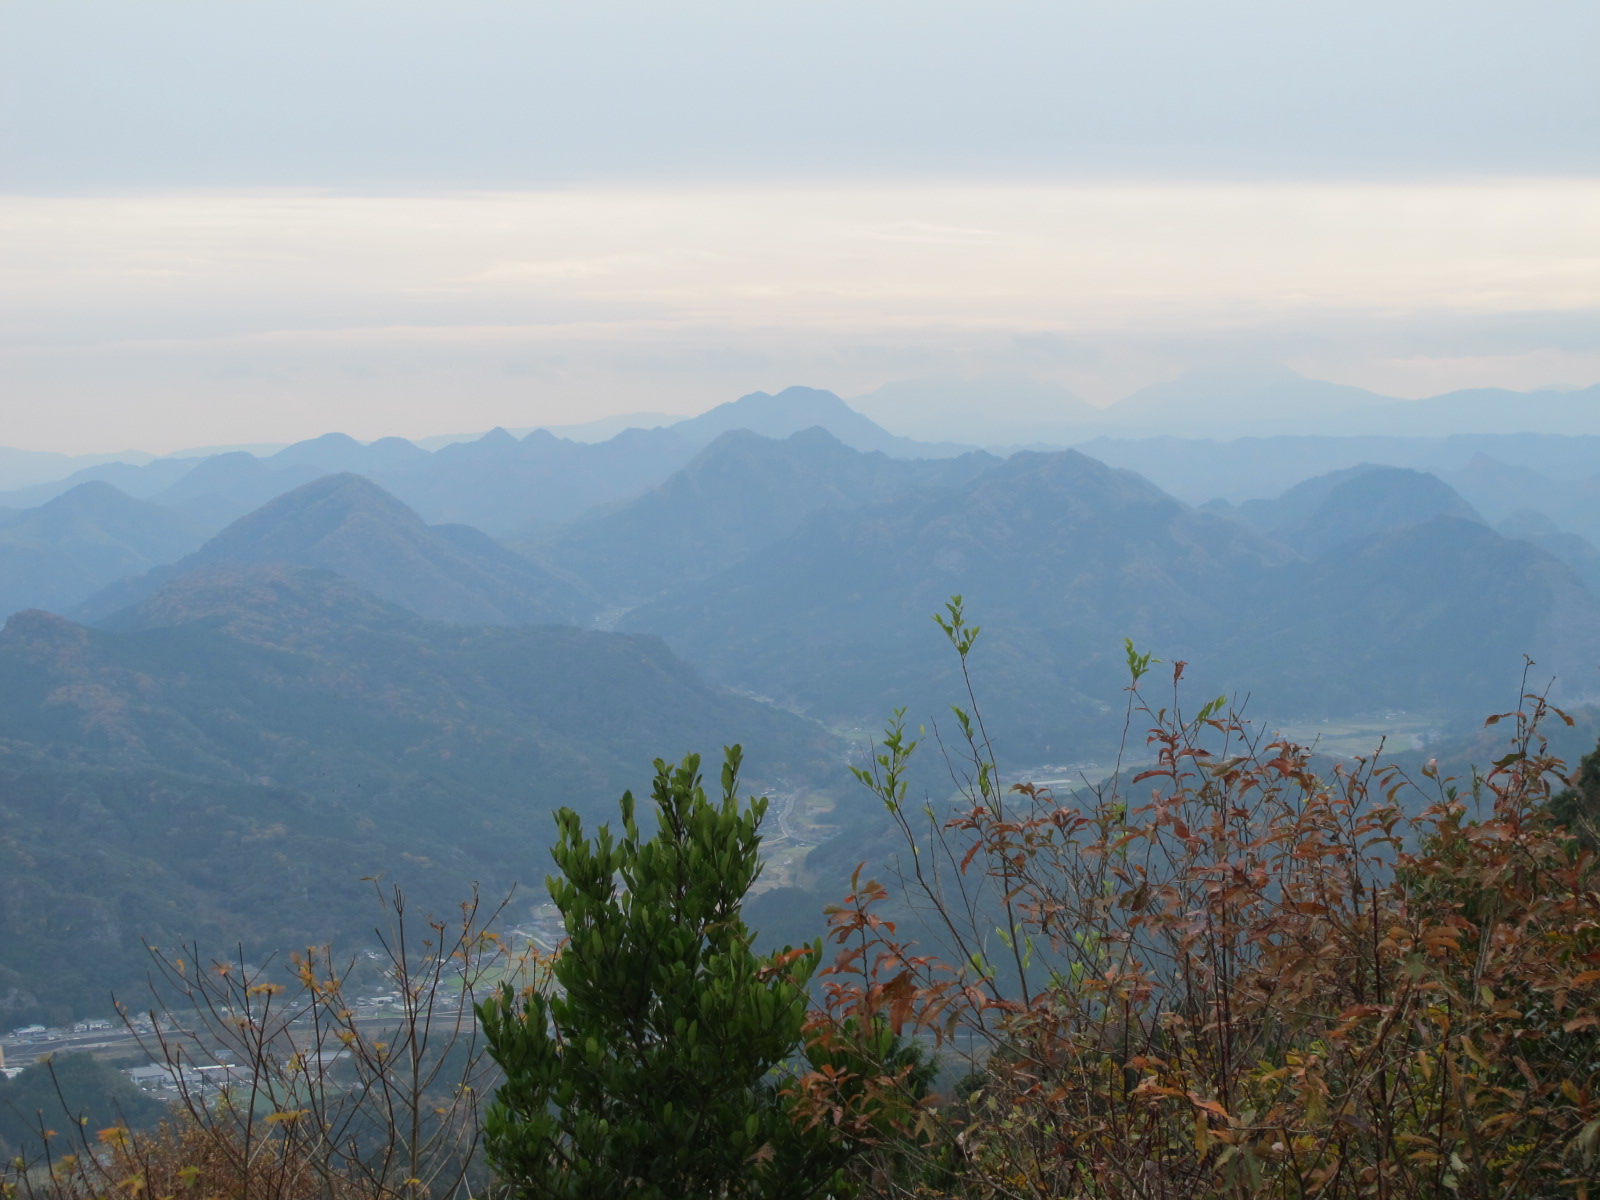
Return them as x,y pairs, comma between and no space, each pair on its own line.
1356,608
227,761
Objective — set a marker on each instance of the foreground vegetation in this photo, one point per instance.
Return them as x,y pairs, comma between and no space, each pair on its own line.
1234,973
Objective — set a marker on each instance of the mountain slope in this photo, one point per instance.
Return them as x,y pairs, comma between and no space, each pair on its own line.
1297,503
1498,489
1434,616
1059,558
223,487
58,554
1235,400
1323,513
511,487
505,485
739,494
1577,552
351,526
235,753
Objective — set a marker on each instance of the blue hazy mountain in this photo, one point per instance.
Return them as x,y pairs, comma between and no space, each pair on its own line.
1202,469
1058,556
141,480
222,488
1001,409
1577,552
1220,403
1492,411
797,408
27,468
1431,617
1367,499
1498,488
498,482
57,555
348,525
337,452
1230,401
1357,502
512,486
1061,558
741,493
1272,400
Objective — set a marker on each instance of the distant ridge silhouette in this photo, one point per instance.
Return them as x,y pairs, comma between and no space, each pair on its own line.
350,526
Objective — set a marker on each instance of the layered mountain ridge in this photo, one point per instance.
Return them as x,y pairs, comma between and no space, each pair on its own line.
261,709
505,485
1061,558
56,554
349,525
738,495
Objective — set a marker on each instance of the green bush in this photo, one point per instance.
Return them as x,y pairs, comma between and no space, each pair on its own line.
655,1065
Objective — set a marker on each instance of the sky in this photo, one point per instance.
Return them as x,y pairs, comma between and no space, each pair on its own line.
255,221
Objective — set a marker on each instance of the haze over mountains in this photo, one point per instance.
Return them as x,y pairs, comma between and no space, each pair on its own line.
676,530
999,410
341,658
54,555
1226,402
803,570
1200,436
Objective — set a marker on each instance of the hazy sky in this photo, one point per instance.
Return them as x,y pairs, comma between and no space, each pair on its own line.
252,221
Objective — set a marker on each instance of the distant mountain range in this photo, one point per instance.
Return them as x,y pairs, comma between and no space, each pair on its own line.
505,485
23,468
797,408
1343,506
931,417
1218,403
1499,475
803,569
276,673
529,486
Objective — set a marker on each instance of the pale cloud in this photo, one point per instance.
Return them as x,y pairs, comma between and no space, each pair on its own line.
166,319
